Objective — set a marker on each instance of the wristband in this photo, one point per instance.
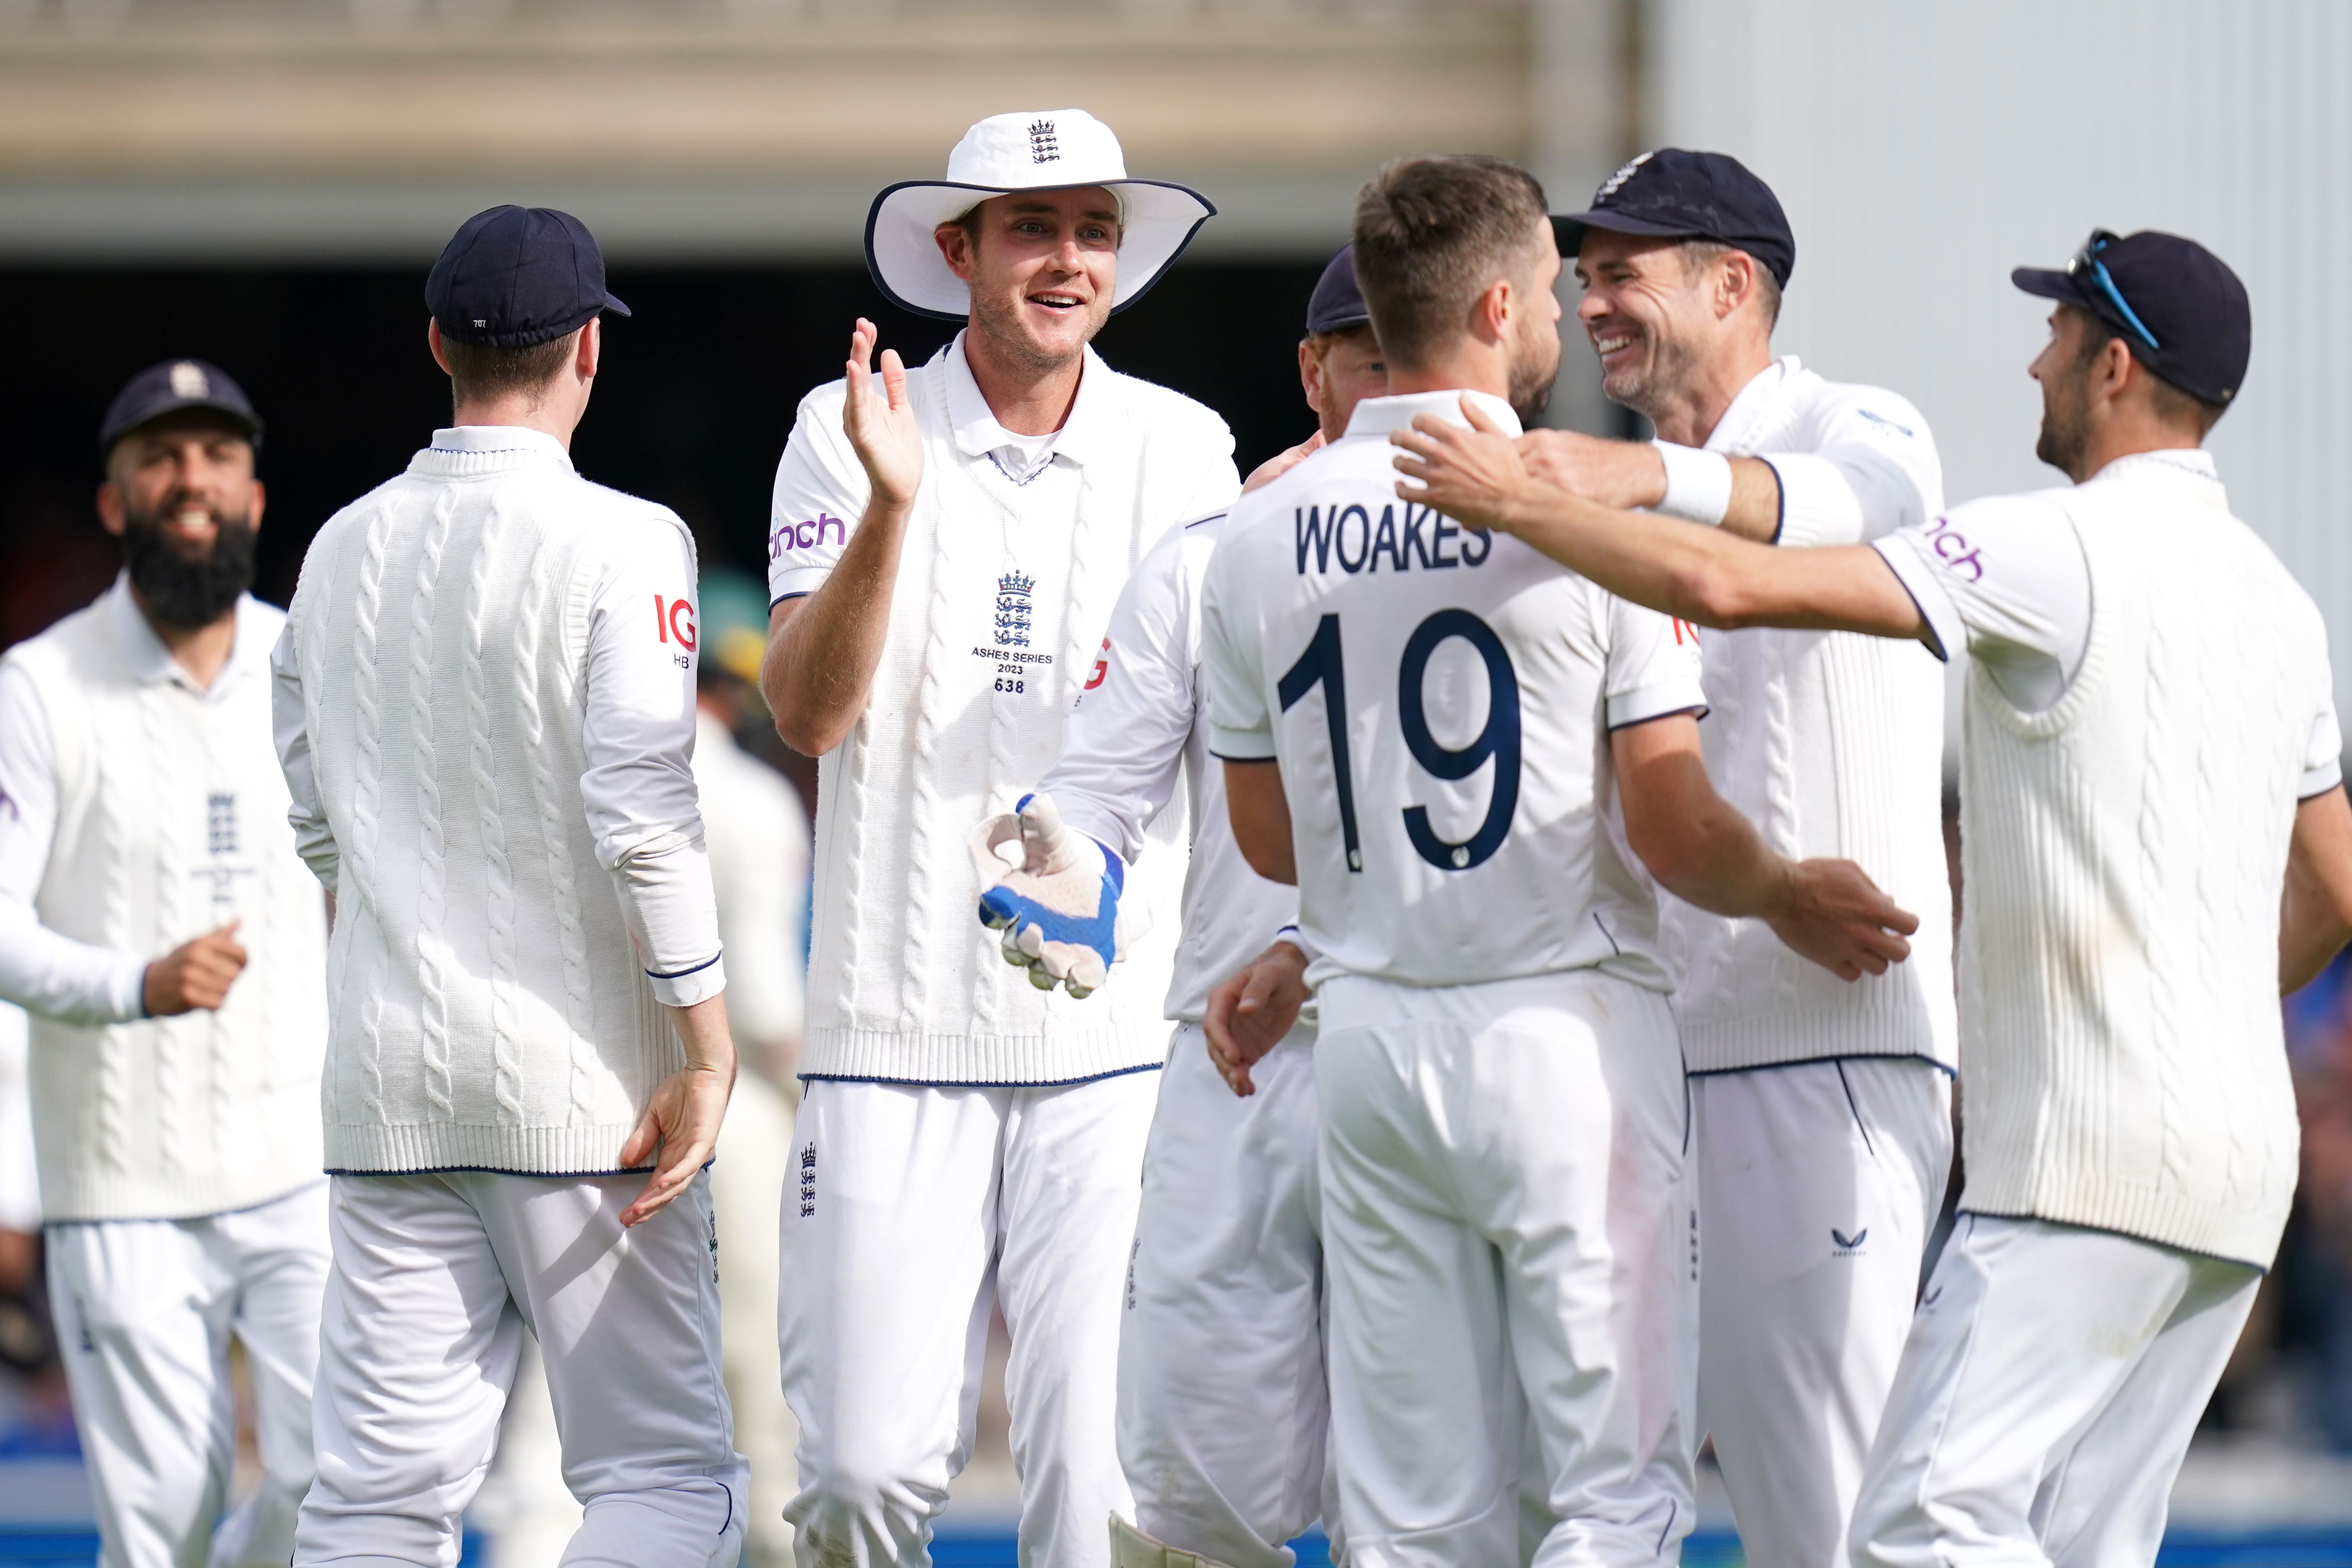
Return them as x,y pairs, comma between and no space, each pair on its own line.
1698,483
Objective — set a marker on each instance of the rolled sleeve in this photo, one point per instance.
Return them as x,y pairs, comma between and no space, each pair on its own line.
1920,580
2323,758
820,493
1654,666
637,733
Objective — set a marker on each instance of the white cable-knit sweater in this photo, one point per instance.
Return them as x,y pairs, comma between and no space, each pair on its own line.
169,821
2125,851
486,706
1004,592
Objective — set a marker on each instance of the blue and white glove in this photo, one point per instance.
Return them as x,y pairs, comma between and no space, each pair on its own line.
1058,904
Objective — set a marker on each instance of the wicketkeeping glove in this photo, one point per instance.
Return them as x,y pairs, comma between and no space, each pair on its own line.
1058,908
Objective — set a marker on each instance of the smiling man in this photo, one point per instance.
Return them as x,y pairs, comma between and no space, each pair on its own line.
156,922
948,543
1821,1111
2155,844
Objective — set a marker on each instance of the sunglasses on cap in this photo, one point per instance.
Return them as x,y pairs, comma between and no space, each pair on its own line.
2087,267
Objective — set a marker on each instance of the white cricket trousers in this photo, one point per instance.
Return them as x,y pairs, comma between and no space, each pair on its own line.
146,1311
1509,1238
2052,1380
911,1210
1818,1186
1221,1405
437,1278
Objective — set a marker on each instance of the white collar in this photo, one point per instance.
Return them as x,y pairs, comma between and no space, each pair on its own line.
1382,415
151,661
978,431
2188,461
1752,403
499,438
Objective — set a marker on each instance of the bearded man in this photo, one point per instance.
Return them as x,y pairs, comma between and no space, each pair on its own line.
157,923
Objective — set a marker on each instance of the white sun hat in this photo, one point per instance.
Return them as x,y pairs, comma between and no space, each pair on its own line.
1057,150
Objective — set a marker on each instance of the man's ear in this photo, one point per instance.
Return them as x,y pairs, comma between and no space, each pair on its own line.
590,349
433,341
109,508
260,498
1490,317
1735,283
956,249
1313,378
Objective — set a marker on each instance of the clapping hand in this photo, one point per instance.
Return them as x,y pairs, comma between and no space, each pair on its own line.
880,422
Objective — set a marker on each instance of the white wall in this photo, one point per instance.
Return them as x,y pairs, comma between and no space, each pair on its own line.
1922,150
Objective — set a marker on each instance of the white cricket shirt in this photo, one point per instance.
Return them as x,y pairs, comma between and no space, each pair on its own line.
1439,700
1007,579
2004,580
2124,843
1141,723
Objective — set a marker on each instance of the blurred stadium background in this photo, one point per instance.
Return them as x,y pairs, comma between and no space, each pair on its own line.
263,183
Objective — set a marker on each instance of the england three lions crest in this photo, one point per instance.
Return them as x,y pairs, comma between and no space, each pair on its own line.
1014,609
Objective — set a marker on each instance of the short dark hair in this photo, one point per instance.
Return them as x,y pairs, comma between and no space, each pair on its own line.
480,370
1697,253
2174,404
1431,234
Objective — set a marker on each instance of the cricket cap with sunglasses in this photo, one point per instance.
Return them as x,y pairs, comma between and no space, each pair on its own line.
2177,304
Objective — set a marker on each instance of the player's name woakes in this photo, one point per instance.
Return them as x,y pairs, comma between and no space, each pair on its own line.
1424,536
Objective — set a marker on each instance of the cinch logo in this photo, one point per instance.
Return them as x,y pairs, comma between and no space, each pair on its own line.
673,621
1847,1246
1101,672
805,536
1954,550
1013,610
1043,146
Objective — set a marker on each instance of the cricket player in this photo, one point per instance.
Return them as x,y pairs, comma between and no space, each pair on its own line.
947,546
486,713
156,922
2150,758
1821,1111
1222,1404
1472,763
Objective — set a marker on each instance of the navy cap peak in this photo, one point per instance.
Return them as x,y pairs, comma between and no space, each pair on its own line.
2179,308
1672,192
171,387
1336,305
513,276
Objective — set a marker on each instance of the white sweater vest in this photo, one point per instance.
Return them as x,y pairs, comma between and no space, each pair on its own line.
490,1011
1831,744
905,984
171,820
2123,1060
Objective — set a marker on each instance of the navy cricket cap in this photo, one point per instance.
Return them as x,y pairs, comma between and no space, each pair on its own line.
1674,194
2179,306
513,276
1336,304
172,386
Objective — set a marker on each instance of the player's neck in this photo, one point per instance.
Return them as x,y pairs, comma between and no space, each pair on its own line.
1026,398
1688,416
2112,442
550,414
1472,366
202,651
